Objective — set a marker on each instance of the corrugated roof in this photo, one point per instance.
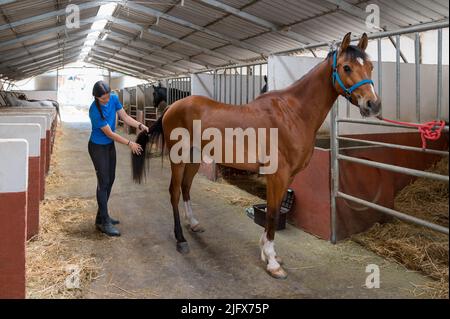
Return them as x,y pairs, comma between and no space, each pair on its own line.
188,38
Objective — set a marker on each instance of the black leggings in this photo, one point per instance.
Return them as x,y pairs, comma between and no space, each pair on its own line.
104,159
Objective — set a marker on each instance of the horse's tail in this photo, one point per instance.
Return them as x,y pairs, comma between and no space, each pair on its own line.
154,135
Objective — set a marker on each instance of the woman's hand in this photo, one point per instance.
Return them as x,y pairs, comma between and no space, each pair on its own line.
135,148
142,127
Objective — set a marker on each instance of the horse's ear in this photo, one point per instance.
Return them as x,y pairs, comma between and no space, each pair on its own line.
363,42
346,42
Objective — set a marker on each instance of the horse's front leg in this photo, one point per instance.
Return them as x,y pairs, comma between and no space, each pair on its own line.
276,188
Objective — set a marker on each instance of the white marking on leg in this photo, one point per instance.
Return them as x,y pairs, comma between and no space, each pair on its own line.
189,215
268,253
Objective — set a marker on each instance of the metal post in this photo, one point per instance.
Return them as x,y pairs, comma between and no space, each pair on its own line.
219,92
254,81
230,94
260,79
380,73
417,61
439,75
235,85
215,85
225,86
334,143
241,79
248,84
397,64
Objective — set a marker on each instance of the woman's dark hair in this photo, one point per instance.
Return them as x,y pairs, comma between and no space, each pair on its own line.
100,88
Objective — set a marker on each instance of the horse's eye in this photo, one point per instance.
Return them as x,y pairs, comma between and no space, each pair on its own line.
347,69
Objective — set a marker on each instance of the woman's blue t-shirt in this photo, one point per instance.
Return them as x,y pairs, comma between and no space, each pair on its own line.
109,112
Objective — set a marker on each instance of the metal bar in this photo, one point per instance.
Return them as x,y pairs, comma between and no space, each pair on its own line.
380,72
334,143
397,77
371,122
394,213
394,168
225,87
215,85
235,86
260,79
248,84
417,59
220,88
230,94
397,146
397,47
241,80
439,76
254,82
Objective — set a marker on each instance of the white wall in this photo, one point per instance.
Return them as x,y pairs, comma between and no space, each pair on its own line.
284,70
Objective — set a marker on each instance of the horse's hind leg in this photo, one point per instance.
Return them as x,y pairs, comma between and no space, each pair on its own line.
189,173
175,184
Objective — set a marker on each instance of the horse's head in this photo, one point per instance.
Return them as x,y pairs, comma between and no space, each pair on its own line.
159,95
352,76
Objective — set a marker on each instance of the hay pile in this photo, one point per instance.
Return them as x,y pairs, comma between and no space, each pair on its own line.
417,248
65,240
52,253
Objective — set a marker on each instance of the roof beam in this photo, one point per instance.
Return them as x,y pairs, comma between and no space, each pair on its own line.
48,15
155,48
125,65
175,39
41,54
256,20
159,14
122,58
120,70
57,29
14,53
50,61
135,56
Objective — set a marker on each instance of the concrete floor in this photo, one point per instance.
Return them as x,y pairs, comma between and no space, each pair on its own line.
224,261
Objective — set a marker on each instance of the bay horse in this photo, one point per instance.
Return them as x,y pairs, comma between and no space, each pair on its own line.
297,112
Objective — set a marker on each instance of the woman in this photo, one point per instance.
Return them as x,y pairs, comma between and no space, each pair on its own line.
102,113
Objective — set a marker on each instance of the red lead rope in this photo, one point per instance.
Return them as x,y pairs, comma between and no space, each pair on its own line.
428,131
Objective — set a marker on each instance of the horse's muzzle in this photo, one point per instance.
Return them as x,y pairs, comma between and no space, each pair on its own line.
371,108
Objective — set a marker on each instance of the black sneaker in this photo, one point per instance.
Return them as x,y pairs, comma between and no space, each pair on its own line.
108,229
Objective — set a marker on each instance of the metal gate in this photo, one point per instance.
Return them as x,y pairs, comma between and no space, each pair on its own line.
337,119
178,88
240,84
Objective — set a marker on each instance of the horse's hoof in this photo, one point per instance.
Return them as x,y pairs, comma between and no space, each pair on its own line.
183,247
197,229
278,273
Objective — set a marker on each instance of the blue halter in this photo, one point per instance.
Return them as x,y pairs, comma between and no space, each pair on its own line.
348,91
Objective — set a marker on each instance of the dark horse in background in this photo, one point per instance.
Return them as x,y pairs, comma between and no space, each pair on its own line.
297,112
160,96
